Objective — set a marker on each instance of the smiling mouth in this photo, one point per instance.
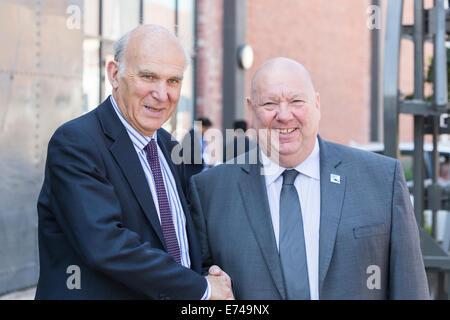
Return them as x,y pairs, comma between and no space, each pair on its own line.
151,108
285,131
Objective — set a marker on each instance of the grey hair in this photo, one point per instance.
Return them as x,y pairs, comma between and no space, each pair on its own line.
119,51
121,44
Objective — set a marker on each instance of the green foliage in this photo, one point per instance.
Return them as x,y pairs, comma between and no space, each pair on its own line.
408,175
428,229
430,74
430,77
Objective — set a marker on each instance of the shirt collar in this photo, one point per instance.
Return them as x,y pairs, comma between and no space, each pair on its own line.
139,140
309,167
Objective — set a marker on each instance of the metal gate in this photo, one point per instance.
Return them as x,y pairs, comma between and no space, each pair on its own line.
431,25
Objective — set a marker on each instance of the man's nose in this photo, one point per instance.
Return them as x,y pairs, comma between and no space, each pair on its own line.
284,113
159,92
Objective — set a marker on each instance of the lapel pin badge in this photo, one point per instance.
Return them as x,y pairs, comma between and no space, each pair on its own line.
335,178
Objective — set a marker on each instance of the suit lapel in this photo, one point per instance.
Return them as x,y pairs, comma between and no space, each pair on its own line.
253,191
331,200
124,153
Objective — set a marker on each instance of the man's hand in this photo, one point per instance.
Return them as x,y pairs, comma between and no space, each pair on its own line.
220,284
216,271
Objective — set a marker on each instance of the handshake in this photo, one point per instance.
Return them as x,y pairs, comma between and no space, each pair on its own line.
220,284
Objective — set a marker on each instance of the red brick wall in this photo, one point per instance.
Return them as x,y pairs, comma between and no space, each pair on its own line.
209,58
331,39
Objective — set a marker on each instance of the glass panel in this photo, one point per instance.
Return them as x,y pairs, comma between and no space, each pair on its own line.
119,17
91,76
161,12
107,56
108,88
91,17
185,108
186,35
186,23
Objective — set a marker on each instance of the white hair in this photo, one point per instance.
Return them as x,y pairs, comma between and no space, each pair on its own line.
121,44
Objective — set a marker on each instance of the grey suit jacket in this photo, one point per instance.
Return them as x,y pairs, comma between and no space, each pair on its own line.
367,229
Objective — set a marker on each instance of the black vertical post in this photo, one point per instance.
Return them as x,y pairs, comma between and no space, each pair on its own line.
100,51
176,17
234,35
375,84
390,77
419,120
195,60
141,11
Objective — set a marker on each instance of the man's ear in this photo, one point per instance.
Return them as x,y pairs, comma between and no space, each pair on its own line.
113,73
250,117
318,101
249,107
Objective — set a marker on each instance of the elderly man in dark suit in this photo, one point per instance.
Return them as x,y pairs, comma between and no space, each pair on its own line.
113,219
310,219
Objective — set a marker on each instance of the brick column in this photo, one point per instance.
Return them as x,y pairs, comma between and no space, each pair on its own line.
209,60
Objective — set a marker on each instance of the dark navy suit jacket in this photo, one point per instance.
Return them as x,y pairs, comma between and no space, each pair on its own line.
96,212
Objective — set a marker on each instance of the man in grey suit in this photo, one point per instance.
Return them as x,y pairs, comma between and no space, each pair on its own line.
310,219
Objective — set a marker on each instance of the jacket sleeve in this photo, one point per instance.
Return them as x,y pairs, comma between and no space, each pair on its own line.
407,276
88,211
200,224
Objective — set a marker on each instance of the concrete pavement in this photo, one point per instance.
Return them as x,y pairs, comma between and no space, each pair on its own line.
25,294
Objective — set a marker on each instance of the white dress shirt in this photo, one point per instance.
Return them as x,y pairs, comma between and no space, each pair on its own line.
307,184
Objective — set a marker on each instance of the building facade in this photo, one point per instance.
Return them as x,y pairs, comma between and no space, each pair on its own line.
52,69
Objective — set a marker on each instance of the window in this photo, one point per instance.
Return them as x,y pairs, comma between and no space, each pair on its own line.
91,46
185,30
119,17
161,12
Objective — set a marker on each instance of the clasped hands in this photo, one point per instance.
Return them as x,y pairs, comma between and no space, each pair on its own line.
220,284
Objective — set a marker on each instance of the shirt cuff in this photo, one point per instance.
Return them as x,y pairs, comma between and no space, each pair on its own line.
207,294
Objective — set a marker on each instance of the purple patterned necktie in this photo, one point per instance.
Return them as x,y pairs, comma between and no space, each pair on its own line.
168,229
